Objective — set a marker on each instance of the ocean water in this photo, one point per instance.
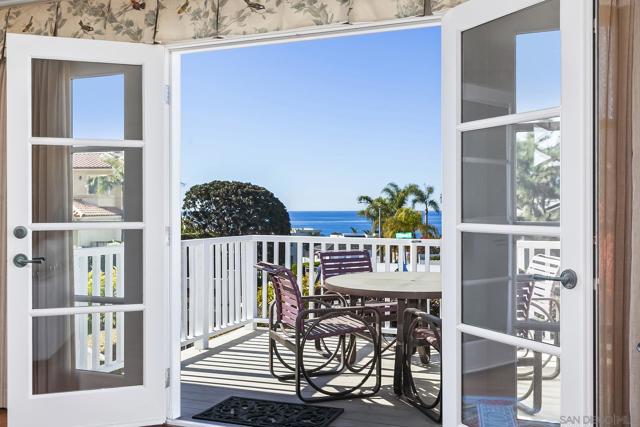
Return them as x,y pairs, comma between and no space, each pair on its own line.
342,221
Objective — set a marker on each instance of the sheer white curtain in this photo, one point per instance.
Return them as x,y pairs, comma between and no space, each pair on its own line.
52,202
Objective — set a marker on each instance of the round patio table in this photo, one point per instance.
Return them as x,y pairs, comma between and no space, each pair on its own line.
409,288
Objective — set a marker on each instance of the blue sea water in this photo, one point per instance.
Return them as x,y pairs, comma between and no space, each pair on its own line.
342,221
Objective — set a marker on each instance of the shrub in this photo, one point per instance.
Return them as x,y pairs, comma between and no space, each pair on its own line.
230,208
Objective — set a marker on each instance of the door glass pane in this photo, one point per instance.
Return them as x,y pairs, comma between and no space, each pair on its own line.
506,386
87,268
498,292
512,64
511,174
87,352
80,184
86,100
89,119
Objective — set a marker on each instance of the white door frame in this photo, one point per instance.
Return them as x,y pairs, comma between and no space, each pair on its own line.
577,173
176,50
133,405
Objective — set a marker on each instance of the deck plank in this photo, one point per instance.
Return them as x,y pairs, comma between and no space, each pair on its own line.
238,366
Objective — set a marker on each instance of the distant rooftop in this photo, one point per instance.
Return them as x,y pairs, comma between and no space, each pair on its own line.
89,161
82,209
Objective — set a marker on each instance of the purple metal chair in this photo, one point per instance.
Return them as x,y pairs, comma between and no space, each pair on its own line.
292,324
422,330
335,263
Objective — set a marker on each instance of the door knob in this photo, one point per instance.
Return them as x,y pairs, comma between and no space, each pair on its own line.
21,260
568,278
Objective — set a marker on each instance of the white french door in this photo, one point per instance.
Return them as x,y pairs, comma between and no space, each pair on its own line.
87,243
518,209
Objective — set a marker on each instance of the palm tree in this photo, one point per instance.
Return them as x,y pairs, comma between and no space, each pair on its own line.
394,199
396,196
424,198
375,210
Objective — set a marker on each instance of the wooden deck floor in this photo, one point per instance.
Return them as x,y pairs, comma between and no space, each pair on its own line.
238,366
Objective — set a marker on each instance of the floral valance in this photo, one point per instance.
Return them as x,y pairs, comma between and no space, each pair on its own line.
165,21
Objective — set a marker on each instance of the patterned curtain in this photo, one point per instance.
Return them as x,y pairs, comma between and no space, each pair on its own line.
619,212
165,21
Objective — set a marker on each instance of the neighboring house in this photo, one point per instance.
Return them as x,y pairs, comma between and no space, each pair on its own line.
92,205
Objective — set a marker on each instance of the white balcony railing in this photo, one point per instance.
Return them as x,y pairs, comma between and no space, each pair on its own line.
221,290
99,279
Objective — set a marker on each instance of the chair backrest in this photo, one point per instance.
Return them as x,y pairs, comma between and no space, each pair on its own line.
334,263
528,290
288,296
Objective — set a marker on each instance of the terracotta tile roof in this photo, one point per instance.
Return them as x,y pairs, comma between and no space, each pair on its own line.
82,209
89,161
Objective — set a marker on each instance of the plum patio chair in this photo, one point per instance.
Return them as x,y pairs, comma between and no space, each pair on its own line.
335,263
537,318
292,324
421,330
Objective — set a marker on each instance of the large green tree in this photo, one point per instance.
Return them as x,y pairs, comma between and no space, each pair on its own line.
538,176
230,208
403,221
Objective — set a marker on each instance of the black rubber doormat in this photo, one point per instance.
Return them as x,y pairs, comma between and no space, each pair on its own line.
268,413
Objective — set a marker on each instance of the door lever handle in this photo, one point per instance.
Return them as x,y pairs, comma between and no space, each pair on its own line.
22,261
568,278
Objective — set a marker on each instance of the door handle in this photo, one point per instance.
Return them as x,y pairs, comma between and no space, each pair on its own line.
568,278
22,261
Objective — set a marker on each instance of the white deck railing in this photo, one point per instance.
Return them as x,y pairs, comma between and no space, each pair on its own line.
221,290
99,279
220,286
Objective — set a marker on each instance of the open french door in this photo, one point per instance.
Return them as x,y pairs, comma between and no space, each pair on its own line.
518,207
87,245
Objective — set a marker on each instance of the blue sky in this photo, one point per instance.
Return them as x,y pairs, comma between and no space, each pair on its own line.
316,122
537,70
105,119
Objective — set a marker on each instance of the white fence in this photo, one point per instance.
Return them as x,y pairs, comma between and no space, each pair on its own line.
220,285
221,289
99,279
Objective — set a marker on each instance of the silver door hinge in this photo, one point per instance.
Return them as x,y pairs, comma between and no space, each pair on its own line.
167,378
167,234
167,94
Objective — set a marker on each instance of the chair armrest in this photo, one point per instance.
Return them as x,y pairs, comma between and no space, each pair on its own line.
303,314
415,312
326,297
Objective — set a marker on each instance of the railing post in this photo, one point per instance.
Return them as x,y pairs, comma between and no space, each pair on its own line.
413,257
203,267
196,291
184,332
251,281
82,320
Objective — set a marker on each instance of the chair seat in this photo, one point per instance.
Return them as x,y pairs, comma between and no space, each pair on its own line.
334,327
428,335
